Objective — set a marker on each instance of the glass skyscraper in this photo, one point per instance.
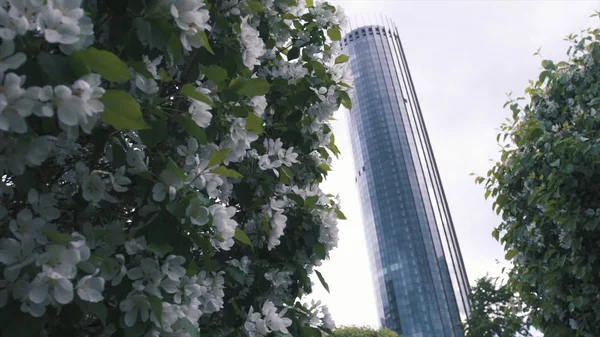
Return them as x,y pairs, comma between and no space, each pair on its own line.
419,277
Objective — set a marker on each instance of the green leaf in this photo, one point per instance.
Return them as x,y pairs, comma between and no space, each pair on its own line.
311,201
309,331
339,214
190,91
191,128
101,263
325,285
138,329
188,327
319,250
175,47
226,172
241,236
205,42
140,67
105,63
192,269
240,111
319,68
157,134
345,100
293,53
254,87
122,111
496,234
334,33
254,124
324,167
256,6
285,175
172,166
163,75
237,275
218,157
19,324
56,67
97,309
295,197
342,59
160,249
214,73
157,309
78,65
310,3
511,253
59,238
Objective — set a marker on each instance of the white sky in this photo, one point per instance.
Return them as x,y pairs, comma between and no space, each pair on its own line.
464,57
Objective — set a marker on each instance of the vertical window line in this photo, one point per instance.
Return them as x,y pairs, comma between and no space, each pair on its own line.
460,268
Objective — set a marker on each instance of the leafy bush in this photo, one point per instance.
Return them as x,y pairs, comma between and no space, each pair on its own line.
495,311
363,331
160,162
547,188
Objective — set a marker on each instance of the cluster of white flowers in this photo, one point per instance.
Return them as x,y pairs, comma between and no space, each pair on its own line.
324,16
192,296
200,111
74,106
59,21
57,262
86,232
254,47
292,72
239,141
224,226
320,315
266,321
274,211
192,19
276,156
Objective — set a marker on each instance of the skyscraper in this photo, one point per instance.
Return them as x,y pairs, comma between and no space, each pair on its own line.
419,277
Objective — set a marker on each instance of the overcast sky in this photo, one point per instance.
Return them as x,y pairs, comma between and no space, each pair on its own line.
464,57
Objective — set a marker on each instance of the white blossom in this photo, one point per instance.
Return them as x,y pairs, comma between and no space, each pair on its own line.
146,277
136,245
224,226
43,204
26,227
151,65
51,282
14,105
197,212
189,152
146,85
58,27
259,104
267,321
118,179
327,319
191,19
243,264
69,106
8,58
200,111
90,288
254,47
136,304
93,188
172,267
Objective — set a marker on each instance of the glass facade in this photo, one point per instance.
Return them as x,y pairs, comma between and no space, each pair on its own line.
419,277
